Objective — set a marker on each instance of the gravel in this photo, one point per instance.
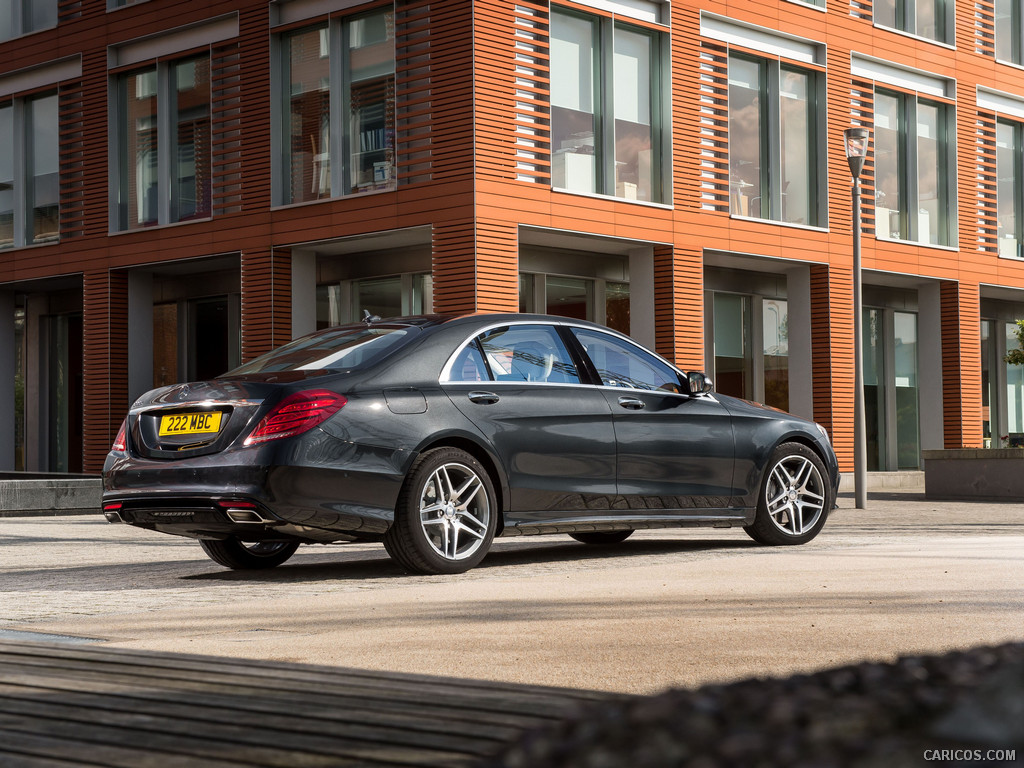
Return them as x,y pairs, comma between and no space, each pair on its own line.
963,708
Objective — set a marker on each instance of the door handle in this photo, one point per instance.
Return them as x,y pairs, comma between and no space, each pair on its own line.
483,398
631,403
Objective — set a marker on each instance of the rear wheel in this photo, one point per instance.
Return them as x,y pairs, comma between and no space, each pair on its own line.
242,556
795,497
446,514
601,537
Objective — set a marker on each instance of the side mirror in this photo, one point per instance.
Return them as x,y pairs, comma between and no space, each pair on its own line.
699,383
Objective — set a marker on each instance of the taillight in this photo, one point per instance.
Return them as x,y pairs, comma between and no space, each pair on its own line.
120,442
296,414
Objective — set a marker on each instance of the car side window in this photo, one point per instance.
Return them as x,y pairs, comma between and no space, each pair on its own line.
620,364
528,353
469,365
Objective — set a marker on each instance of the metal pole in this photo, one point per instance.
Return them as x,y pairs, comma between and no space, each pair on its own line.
860,446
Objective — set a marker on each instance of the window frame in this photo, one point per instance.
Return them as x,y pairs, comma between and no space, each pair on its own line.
908,169
167,143
770,72
21,18
1017,168
23,176
906,21
603,95
1015,27
337,27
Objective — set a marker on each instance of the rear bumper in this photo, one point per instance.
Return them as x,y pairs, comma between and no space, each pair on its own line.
197,498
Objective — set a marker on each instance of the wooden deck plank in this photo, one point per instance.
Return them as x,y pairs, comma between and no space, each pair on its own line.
86,705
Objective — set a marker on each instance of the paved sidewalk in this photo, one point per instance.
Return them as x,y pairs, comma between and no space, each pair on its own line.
665,608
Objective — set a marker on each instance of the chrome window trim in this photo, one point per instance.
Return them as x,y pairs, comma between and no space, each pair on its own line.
445,378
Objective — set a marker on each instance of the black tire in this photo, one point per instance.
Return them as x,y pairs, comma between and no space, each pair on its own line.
794,499
241,556
446,514
601,537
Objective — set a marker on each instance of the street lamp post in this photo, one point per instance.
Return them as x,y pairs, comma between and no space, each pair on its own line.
856,141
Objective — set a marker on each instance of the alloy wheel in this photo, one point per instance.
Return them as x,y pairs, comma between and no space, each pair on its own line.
795,495
454,511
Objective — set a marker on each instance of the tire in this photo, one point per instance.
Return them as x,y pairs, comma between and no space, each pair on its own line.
601,537
241,556
446,514
794,499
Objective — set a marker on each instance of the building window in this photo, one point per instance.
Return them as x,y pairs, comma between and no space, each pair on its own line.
392,296
924,18
595,299
774,136
1010,188
1009,22
913,167
164,152
19,17
606,107
338,105
29,172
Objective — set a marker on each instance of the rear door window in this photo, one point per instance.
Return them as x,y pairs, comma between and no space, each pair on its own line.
520,353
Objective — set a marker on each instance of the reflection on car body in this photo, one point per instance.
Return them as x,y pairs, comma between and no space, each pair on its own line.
434,434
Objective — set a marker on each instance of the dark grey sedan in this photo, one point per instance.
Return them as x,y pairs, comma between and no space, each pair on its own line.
435,434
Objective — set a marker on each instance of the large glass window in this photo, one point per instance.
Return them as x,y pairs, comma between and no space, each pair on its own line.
733,356
606,107
1009,190
338,104
1009,17
19,17
597,300
773,141
913,166
29,172
164,152
775,351
6,178
391,296
1014,387
924,18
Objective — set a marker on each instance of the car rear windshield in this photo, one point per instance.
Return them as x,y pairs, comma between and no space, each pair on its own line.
338,349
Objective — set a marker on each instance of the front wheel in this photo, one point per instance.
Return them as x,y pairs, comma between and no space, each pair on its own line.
241,556
446,514
794,499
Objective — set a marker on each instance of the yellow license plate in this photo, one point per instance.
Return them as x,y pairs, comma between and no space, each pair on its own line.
190,423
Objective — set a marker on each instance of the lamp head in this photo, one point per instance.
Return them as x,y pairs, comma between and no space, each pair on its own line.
856,142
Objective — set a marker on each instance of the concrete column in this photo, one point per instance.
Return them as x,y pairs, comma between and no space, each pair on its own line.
140,333
641,296
303,293
7,358
929,366
801,369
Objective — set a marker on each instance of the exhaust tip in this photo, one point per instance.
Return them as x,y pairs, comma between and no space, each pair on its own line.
239,515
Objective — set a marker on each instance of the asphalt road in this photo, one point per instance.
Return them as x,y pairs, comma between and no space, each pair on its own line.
663,609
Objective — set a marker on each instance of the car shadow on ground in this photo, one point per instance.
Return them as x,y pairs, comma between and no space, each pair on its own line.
333,566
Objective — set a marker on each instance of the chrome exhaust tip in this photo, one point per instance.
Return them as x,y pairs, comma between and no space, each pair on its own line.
241,515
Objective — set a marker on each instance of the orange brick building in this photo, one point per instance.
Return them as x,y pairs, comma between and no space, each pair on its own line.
186,185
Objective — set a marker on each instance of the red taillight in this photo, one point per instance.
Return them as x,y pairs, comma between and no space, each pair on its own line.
120,442
296,414
112,506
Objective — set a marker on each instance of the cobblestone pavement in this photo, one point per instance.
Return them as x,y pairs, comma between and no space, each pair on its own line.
676,607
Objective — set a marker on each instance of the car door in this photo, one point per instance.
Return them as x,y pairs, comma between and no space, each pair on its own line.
519,386
674,451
